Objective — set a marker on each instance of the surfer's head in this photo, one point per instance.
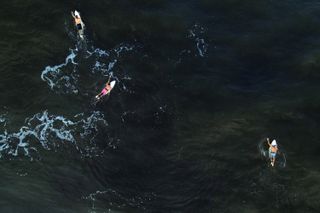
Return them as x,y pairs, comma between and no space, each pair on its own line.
274,143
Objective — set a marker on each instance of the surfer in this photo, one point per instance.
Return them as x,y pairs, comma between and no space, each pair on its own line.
106,90
273,149
78,22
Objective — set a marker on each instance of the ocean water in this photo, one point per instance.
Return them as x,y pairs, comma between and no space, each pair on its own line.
200,86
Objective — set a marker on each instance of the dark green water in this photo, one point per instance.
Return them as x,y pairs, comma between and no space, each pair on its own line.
200,85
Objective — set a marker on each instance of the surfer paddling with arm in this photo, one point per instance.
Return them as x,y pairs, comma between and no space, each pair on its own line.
107,89
273,150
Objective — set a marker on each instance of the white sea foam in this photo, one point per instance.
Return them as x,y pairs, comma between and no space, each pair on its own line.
50,132
105,61
3,118
196,33
123,48
116,200
63,78
57,77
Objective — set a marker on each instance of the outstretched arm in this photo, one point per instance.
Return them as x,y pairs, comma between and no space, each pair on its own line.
268,142
108,80
72,14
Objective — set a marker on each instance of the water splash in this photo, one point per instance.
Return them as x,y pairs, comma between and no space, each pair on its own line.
262,149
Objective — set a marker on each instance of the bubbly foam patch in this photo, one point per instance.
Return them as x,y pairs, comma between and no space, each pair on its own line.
104,200
105,61
3,120
196,33
62,75
49,132
63,78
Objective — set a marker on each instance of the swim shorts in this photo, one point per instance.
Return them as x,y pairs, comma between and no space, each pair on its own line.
104,91
79,27
272,154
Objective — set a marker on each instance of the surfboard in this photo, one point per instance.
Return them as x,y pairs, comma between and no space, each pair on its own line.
81,31
96,100
281,160
76,13
112,84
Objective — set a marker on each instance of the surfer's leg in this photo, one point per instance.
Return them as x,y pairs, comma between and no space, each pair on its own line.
273,158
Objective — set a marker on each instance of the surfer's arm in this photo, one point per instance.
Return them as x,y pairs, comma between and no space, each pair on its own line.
108,80
268,142
72,14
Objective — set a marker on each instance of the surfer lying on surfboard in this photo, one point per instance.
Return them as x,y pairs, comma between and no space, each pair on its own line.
106,90
78,22
273,150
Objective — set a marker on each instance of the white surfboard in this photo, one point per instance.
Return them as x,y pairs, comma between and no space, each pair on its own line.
81,32
96,100
281,159
76,13
112,84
